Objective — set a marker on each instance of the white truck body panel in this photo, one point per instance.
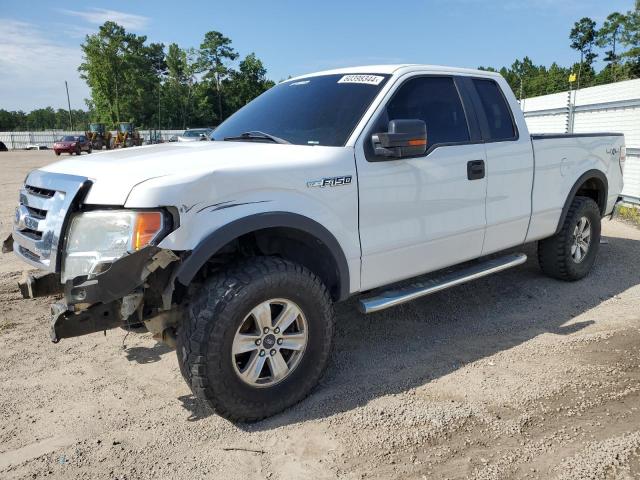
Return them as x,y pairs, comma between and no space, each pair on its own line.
419,215
510,173
559,163
396,219
200,177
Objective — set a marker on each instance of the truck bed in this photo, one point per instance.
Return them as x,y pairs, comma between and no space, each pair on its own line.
560,159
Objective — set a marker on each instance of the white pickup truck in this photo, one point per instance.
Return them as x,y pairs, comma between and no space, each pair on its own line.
329,185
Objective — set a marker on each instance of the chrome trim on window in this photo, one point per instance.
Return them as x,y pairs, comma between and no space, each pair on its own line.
45,200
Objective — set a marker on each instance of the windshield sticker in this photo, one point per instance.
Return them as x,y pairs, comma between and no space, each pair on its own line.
302,82
366,79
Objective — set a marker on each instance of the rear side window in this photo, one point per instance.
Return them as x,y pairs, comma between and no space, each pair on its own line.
434,100
496,110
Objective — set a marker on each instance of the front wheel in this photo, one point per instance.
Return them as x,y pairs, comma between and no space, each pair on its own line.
257,338
570,254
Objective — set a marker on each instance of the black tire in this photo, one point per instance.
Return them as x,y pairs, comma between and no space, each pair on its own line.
205,338
555,253
78,151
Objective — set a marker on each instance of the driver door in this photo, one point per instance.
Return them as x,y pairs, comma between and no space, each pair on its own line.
423,213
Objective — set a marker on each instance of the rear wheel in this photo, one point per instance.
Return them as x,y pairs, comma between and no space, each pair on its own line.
570,254
257,338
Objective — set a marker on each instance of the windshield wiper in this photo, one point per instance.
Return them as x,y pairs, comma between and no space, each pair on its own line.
257,135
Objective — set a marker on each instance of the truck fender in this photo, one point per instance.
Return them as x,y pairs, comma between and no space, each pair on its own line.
225,234
576,186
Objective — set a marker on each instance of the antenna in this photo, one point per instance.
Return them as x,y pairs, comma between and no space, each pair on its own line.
66,85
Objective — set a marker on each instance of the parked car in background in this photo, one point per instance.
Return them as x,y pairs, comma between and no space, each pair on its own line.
195,135
72,144
3,147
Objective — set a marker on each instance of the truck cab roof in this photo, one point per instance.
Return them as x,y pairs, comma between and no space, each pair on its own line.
399,69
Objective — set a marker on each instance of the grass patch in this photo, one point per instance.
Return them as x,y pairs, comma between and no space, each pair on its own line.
629,213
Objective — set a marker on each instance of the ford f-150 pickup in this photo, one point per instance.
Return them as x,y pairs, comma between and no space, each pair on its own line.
336,184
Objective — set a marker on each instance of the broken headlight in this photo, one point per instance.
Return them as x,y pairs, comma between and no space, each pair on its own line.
98,238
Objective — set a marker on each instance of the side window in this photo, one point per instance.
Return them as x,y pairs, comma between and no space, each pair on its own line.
496,110
434,100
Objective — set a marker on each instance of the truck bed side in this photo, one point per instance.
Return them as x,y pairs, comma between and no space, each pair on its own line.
562,161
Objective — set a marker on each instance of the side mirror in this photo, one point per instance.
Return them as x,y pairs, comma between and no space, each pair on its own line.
404,138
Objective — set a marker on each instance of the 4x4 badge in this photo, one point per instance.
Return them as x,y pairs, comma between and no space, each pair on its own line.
330,182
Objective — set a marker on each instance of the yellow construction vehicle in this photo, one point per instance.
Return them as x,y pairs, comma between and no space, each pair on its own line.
99,136
126,136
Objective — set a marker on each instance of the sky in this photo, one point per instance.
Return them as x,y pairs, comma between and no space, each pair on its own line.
40,40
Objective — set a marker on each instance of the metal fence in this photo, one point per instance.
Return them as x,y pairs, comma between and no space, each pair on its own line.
24,140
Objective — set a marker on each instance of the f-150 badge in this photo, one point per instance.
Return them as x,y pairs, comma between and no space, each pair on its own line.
330,182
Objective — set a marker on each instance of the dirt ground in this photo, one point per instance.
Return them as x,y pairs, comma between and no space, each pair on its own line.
513,376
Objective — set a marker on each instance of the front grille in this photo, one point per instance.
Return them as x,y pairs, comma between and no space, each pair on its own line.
45,202
32,234
41,192
28,254
37,213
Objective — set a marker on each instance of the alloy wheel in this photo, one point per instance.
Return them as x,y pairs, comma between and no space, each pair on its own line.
269,343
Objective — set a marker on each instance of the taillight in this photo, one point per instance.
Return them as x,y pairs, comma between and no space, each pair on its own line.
623,157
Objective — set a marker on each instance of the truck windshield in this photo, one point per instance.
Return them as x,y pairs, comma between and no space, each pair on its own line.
320,110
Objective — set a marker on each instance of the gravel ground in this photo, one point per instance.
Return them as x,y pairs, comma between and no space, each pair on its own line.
513,376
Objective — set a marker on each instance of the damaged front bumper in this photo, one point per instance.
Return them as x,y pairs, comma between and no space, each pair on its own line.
107,300
66,323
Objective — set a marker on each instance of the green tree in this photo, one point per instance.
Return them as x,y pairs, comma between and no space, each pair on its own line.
630,37
522,76
10,121
123,74
214,56
557,79
583,37
179,85
42,119
249,81
609,36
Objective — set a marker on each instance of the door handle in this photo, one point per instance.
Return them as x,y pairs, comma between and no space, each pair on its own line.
475,169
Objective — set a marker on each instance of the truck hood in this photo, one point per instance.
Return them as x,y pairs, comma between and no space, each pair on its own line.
115,173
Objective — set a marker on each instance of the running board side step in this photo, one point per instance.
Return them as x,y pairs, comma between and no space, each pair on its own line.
391,298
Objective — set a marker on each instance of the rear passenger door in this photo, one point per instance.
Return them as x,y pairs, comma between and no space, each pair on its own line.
510,164
424,213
